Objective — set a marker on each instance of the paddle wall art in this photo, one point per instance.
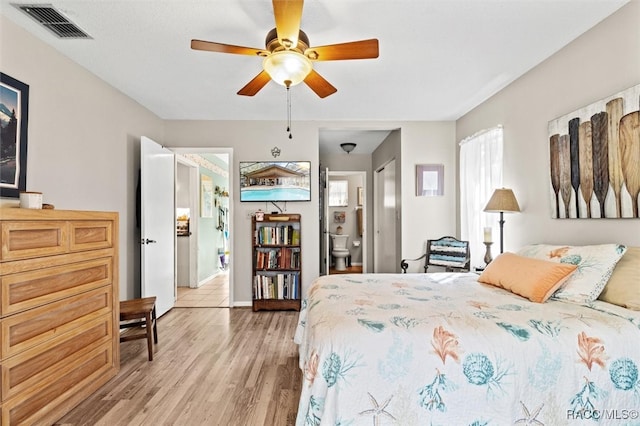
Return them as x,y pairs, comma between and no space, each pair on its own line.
595,159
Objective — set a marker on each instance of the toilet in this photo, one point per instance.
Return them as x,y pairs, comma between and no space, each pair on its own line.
340,251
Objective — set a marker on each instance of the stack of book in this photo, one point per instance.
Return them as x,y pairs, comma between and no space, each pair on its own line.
278,258
272,235
277,286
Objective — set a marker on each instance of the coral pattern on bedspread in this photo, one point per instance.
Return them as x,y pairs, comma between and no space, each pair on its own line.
443,349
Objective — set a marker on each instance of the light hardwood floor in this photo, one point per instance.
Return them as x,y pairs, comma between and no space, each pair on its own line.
210,367
212,294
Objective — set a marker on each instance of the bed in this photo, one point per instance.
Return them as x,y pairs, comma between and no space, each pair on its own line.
444,349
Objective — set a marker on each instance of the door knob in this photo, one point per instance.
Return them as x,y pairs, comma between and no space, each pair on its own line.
147,241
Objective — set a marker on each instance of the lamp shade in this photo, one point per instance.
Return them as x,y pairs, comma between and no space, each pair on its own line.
502,200
287,65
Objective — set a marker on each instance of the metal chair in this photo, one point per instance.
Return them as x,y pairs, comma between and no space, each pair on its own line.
447,252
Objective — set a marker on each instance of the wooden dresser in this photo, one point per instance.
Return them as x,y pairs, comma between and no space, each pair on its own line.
59,306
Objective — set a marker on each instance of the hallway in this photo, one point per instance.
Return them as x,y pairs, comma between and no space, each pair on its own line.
212,294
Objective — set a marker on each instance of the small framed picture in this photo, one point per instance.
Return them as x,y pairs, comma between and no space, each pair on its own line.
339,217
360,196
429,180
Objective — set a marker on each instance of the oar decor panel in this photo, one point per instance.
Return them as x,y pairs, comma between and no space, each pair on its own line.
594,158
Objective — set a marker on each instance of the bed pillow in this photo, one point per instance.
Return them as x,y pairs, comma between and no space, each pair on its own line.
595,264
534,279
623,288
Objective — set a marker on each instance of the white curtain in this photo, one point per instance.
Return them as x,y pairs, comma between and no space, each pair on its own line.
480,175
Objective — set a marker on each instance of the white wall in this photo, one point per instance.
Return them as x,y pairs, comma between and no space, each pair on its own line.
428,217
83,138
603,61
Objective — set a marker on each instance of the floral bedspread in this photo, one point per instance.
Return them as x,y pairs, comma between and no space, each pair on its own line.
443,349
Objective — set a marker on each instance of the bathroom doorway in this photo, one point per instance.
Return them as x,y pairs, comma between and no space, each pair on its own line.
343,222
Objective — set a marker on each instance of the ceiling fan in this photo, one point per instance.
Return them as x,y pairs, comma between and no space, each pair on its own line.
288,57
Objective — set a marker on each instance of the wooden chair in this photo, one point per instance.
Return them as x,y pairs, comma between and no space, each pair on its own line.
139,313
448,252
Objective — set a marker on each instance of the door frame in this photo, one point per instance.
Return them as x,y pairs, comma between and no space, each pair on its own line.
193,220
196,194
363,240
325,261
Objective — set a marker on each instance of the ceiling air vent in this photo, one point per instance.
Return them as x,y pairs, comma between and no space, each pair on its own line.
53,20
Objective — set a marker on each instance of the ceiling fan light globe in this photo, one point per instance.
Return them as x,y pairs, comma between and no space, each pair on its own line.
287,65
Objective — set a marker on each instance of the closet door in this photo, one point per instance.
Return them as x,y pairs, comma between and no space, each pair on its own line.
385,219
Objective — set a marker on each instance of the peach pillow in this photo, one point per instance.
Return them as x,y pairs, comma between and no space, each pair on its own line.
623,288
535,279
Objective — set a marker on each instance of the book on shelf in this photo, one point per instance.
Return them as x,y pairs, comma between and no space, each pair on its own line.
274,235
278,258
278,286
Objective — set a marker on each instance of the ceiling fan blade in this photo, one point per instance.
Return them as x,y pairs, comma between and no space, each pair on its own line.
254,86
363,49
211,46
288,14
319,85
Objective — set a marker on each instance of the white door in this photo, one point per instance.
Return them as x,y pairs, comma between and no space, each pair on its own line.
325,223
158,226
385,219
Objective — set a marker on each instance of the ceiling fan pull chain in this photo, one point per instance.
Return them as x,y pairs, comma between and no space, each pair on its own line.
288,84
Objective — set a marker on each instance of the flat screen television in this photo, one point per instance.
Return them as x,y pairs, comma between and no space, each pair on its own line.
275,181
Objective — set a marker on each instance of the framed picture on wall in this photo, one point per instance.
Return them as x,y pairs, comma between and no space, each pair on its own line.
206,196
429,180
14,117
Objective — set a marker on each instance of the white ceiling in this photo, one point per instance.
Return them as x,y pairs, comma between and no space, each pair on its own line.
438,58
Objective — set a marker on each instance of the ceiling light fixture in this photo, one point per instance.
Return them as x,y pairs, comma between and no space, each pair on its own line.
287,65
287,68
348,147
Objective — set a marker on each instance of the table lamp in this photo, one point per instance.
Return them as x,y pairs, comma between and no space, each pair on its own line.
502,201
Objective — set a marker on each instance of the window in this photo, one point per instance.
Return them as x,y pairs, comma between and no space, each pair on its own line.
338,193
480,175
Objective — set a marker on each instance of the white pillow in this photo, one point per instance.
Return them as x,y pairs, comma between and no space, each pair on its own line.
595,264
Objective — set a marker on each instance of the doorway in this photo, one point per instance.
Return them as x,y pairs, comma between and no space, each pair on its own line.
343,222
210,227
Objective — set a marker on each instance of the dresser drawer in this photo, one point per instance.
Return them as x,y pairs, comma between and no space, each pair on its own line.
22,240
45,404
50,361
27,290
90,235
30,328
